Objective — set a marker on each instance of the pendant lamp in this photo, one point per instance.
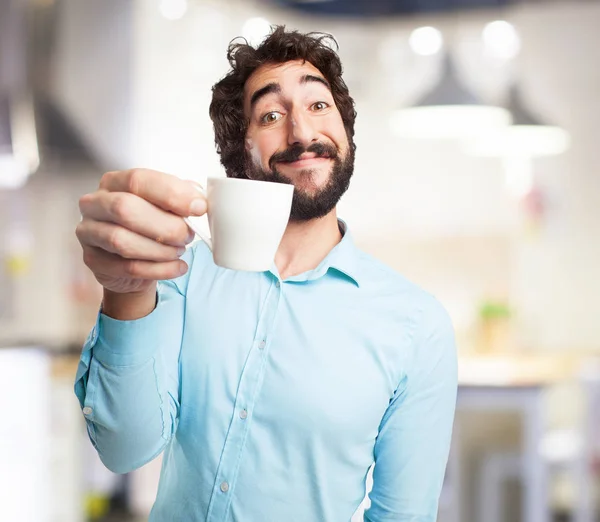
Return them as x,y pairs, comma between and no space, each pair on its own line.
448,111
528,136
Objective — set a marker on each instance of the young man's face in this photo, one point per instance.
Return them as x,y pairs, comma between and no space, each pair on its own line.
296,135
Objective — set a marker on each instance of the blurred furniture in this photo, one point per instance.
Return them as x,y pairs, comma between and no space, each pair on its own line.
512,383
572,449
497,467
528,401
66,433
24,443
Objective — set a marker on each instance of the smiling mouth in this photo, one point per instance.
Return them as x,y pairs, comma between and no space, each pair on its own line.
306,162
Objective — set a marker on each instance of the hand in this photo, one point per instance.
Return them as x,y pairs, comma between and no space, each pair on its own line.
132,230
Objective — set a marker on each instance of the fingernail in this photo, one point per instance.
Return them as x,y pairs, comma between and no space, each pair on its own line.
183,268
191,236
198,207
181,251
198,187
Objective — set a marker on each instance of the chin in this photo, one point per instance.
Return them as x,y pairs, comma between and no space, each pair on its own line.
311,180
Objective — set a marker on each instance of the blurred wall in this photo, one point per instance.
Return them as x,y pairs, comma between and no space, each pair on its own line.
138,86
558,274
42,308
93,74
440,217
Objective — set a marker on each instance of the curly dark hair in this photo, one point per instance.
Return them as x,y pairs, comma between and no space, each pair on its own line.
227,106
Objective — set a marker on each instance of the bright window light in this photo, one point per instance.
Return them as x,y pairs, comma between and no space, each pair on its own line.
426,41
521,140
173,9
13,172
501,40
255,30
447,122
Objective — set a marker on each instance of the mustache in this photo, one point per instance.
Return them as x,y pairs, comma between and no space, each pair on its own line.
293,153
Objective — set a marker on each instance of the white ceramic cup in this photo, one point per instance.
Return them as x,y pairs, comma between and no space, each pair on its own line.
247,219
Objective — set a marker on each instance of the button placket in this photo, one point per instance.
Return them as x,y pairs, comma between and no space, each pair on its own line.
250,380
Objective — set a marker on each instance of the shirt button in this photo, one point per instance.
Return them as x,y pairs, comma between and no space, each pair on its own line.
262,345
277,284
243,414
87,410
224,487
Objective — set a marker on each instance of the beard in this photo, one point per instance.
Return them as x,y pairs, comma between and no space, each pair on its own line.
306,206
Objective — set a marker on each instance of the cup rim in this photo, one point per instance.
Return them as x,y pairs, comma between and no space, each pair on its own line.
228,179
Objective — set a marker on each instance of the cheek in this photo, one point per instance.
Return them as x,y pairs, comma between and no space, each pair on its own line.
338,132
261,148
253,151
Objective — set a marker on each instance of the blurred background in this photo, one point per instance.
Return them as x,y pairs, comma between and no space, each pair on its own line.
477,176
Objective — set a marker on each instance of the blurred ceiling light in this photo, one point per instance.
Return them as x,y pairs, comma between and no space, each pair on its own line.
448,111
501,40
528,136
19,155
255,30
426,41
173,9
518,144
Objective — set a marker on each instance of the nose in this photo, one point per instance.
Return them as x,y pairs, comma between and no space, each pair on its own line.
301,129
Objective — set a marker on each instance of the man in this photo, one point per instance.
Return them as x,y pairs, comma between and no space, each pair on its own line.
270,394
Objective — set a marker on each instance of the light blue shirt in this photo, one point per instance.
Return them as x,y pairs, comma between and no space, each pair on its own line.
271,399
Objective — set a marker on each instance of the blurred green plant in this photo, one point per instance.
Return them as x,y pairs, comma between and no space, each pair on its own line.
494,310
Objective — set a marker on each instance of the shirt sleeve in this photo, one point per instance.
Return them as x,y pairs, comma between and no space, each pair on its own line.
127,381
412,447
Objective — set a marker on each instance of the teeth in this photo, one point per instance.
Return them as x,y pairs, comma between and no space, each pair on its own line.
301,159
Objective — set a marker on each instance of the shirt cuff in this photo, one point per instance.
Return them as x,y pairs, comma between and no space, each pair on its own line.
131,343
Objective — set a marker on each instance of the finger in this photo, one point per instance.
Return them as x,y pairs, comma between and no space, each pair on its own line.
182,197
103,263
124,243
135,214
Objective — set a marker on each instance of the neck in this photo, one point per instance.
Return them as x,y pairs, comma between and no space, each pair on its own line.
306,244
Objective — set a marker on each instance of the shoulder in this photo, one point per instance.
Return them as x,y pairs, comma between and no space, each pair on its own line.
376,275
424,309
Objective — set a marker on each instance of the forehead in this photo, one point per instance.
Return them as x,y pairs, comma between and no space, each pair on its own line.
287,73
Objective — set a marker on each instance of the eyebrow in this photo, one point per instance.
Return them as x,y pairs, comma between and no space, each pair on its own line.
271,88
307,78
263,91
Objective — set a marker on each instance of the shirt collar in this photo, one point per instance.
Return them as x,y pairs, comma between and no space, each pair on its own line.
342,258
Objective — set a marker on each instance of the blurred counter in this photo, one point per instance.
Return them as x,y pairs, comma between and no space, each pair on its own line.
521,369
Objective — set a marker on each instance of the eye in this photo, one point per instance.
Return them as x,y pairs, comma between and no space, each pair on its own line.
319,106
271,117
